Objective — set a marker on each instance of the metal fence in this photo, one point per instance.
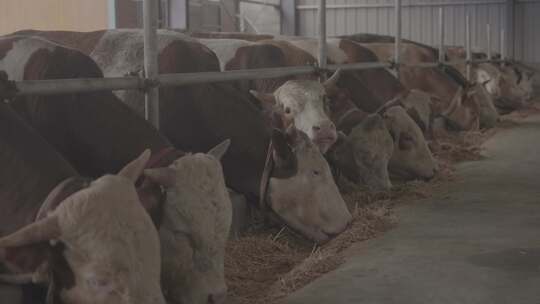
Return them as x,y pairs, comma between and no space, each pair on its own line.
420,21
152,80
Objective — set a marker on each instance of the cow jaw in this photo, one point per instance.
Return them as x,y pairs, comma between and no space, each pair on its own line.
195,227
304,103
308,200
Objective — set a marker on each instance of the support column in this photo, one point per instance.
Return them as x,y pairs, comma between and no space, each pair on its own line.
150,16
322,34
288,17
397,36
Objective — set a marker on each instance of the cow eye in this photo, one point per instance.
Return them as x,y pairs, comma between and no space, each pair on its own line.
288,110
316,172
98,283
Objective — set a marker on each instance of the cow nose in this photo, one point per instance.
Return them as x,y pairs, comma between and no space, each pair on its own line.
326,126
218,297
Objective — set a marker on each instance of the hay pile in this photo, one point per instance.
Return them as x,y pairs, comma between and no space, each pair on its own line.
267,264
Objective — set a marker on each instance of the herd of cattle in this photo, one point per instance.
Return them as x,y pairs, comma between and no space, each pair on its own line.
155,232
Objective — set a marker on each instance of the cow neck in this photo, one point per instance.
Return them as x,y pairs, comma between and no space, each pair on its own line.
265,178
347,114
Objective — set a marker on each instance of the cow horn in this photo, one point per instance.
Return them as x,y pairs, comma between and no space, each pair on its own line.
332,81
134,169
220,150
39,231
264,97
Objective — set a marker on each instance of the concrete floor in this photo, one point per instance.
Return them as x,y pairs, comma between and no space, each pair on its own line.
476,242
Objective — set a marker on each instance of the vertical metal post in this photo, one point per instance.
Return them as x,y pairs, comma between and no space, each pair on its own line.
468,45
503,44
397,39
488,33
150,16
322,34
511,42
288,23
441,35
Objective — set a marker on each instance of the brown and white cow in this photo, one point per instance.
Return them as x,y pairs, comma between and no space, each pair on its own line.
301,102
443,84
509,85
71,241
397,146
378,85
417,164
98,134
194,118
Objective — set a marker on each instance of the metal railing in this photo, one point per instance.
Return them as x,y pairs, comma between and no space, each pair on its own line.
152,80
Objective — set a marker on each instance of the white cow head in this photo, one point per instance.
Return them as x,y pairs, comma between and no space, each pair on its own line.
195,227
363,155
302,191
110,243
304,104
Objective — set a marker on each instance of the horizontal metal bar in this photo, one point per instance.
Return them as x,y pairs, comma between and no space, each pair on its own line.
421,64
79,85
168,80
276,6
359,66
426,4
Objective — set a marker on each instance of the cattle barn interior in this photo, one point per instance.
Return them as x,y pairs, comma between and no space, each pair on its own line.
269,151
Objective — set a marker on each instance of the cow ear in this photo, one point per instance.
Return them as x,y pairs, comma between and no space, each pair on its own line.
220,150
162,176
389,122
42,230
264,98
293,136
283,154
134,169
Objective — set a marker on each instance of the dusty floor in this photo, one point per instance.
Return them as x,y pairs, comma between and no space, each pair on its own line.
476,240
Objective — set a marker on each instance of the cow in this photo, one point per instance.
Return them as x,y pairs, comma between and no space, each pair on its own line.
194,118
394,143
457,98
295,56
98,134
300,101
378,83
64,231
508,84
412,167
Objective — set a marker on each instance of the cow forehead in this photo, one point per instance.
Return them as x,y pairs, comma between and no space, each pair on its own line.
95,219
300,91
109,196
193,163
